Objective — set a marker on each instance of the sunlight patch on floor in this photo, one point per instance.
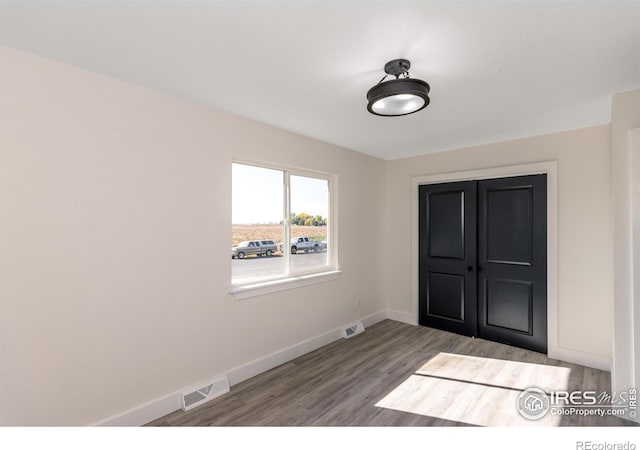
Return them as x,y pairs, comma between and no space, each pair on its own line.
475,390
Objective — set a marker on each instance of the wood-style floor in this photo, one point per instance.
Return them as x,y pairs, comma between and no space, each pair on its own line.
399,375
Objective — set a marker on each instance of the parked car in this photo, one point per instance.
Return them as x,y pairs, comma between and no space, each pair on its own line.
259,248
306,245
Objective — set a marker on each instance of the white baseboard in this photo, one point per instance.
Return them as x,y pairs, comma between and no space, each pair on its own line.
157,408
258,366
576,357
145,413
374,318
401,316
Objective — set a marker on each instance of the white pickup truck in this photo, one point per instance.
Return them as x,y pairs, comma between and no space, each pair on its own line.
259,248
306,245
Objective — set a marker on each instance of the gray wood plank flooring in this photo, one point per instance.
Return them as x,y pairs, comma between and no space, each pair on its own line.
341,384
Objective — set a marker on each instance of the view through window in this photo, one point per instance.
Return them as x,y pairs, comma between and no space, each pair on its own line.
266,246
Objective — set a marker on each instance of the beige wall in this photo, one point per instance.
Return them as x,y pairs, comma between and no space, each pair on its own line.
115,213
585,229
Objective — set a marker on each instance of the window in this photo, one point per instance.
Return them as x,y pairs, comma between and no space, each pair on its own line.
281,224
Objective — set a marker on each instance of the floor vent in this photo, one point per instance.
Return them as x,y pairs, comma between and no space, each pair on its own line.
198,395
352,330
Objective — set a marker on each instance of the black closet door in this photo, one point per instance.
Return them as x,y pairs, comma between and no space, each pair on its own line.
512,261
447,284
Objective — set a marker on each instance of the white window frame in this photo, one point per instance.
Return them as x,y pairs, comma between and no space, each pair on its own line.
288,280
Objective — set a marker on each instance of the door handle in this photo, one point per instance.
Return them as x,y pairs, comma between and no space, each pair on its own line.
469,268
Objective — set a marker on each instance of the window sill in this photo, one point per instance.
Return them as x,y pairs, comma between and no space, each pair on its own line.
292,282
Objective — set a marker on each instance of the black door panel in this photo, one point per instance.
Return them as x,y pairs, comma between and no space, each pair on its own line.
508,231
512,255
446,224
445,296
509,304
448,297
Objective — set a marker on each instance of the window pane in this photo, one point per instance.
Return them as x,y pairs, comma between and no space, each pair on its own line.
309,223
257,231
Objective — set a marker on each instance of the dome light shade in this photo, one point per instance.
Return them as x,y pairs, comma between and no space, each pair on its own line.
398,97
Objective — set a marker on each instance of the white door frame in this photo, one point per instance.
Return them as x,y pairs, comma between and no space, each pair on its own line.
633,308
550,168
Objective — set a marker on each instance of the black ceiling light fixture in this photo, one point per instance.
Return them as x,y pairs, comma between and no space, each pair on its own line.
398,97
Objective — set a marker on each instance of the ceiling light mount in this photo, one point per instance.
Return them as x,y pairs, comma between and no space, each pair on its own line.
398,97
397,67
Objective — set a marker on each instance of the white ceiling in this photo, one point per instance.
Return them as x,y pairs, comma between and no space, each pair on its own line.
497,70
